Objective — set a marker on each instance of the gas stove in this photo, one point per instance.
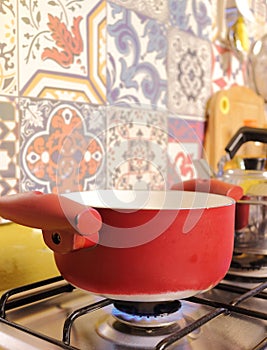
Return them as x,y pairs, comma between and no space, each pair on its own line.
52,314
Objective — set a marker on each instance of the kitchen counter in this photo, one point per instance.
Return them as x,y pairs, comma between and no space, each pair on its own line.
24,257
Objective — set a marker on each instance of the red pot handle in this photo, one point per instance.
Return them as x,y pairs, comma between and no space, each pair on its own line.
66,225
223,188
211,186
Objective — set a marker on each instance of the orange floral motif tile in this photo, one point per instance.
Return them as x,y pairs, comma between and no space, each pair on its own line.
62,50
62,146
185,139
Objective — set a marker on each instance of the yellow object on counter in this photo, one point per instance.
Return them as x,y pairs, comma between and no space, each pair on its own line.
241,36
24,257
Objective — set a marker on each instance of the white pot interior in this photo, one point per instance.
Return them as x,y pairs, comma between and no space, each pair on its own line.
148,200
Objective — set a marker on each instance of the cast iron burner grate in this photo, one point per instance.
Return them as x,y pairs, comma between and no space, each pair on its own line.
26,295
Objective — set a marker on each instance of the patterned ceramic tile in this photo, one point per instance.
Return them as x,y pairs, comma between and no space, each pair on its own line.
9,146
62,147
185,139
136,60
157,9
214,19
70,56
192,16
8,48
227,70
189,74
62,50
136,149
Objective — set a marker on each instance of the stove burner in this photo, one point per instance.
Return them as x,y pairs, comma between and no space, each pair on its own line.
248,267
148,308
249,261
147,314
134,337
142,325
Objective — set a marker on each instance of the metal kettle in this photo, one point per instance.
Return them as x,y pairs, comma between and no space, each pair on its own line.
251,175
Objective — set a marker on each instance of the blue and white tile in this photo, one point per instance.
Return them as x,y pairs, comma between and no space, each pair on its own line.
189,74
157,9
136,59
192,16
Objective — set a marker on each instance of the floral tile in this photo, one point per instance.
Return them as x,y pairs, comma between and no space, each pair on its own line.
62,50
136,59
185,138
157,9
8,49
227,69
136,149
192,16
189,74
9,146
62,146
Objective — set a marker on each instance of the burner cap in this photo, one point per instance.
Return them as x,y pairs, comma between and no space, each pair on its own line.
147,315
148,308
249,261
248,267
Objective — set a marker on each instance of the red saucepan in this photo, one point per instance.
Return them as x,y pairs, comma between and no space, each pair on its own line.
151,246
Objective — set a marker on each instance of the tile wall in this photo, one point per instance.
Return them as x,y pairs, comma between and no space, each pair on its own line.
106,94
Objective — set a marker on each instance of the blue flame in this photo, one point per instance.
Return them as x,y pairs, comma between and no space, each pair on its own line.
132,318
147,320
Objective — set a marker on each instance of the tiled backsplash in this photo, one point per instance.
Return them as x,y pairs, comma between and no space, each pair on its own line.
106,93
9,146
62,145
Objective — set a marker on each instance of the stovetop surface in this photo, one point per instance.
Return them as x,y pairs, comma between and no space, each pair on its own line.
232,323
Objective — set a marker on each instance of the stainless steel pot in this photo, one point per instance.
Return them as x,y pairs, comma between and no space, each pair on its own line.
251,175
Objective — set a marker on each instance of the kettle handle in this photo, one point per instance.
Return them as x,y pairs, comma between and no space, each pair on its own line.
243,135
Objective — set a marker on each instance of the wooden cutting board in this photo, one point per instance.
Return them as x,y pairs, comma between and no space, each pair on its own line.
227,111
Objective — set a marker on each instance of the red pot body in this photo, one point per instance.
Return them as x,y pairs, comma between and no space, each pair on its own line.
173,264
178,244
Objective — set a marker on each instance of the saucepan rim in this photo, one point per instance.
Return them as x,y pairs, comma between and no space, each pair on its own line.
149,200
